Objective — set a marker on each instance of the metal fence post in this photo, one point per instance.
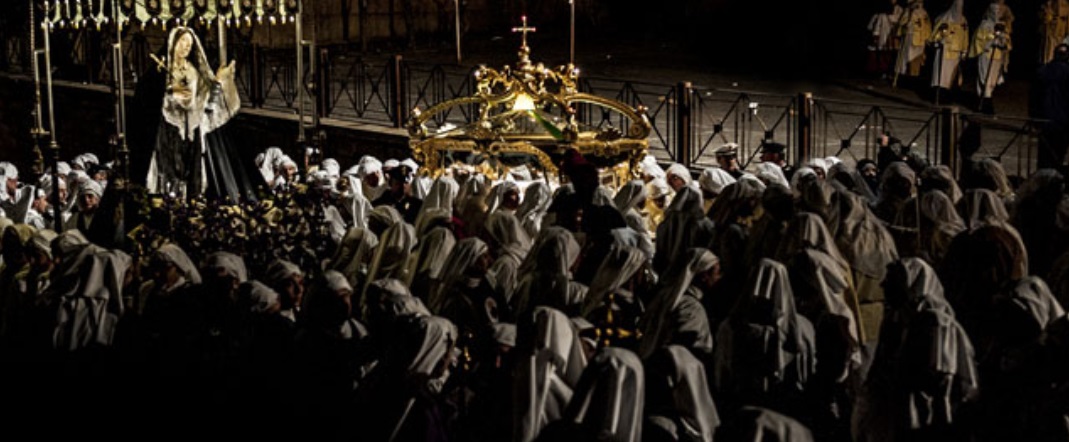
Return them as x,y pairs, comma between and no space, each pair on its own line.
363,25
683,123
256,80
804,115
398,111
948,138
322,90
87,42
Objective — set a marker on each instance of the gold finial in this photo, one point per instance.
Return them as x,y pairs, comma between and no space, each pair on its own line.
524,29
525,52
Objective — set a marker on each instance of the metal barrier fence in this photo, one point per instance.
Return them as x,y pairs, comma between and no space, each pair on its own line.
658,99
689,122
852,131
744,118
1015,142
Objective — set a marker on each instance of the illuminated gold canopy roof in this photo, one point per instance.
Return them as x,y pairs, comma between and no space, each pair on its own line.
530,111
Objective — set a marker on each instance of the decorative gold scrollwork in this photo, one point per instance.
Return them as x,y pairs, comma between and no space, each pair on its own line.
533,110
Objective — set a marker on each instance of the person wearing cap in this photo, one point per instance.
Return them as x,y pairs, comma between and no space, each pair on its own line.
16,198
684,224
369,170
712,181
398,194
286,174
37,207
99,173
727,156
657,195
504,196
650,169
389,164
165,296
264,355
170,313
63,167
287,279
332,168
222,274
48,213
675,314
775,153
870,174
889,150
322,188
419,186
580,206
89,195
320,181
411,164
266,162
106,230
532,210
819,166
678,177
80,162
9,196
33,279
521,173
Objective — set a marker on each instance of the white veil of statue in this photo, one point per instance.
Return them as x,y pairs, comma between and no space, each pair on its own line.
191,158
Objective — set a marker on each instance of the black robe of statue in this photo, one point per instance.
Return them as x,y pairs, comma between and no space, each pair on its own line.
227,170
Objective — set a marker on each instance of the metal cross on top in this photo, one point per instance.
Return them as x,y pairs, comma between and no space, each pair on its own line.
524,29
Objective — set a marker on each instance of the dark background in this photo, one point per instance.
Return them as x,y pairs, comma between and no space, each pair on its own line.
793,38
777,39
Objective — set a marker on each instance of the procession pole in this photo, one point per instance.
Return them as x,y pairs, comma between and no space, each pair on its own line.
38,130
300,74
124,151
53,147
317,89
456,13
571,58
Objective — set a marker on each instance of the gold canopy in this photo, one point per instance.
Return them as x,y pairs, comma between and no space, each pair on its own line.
530,111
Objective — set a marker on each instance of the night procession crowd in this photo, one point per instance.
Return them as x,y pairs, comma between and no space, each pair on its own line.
884,300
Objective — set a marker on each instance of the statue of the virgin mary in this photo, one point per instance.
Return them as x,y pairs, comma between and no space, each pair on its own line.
192,155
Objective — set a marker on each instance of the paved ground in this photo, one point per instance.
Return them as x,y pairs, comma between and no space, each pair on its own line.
646,60
667,63
653,62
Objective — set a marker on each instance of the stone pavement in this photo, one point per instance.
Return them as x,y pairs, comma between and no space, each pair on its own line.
668,64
